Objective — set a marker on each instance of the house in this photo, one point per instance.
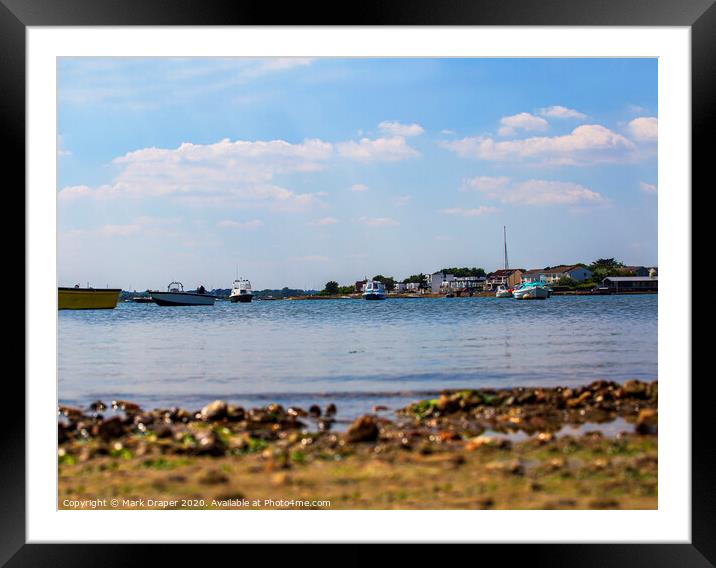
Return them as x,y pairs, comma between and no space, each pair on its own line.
506,276
617,284
437,279
400,287
551,275
463,283
413,286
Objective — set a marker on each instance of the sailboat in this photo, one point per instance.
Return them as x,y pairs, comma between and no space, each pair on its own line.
504,291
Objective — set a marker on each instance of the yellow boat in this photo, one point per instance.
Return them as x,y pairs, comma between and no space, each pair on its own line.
87,298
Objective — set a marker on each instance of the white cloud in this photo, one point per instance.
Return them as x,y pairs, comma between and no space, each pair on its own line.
522,121
473,212
325,221
358,187
534,191
648,187
558,111
402,199
227,174
395,128
447,132
644,128
379,221
586,144
377,150
73,192
231,224
122,82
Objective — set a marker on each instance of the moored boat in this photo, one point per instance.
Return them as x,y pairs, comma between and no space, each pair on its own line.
531,291
374,290
503,292
241,291
87,298
176,296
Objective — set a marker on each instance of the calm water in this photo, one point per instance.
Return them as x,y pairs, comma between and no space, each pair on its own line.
351,352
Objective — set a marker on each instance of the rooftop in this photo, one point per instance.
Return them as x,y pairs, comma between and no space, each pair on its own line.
631,278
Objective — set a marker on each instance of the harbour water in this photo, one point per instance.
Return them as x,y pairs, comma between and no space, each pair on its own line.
351,352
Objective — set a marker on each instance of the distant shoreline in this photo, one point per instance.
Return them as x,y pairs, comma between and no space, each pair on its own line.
475,295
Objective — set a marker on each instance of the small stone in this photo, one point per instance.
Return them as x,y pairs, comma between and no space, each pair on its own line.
447,435
331,410
545,437
235,413
128,407
635,389
74,414
111,428
314,411
207,443
647,423
380,408
163,430
97,406
363,429
214,411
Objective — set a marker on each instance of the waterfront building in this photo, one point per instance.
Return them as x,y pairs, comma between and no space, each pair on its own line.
509,277
437,279
464,284
551,275
617,284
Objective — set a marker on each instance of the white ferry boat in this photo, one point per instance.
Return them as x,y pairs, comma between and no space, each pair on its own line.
374,290
241,291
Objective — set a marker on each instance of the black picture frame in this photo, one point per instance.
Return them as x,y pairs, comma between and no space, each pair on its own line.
699,15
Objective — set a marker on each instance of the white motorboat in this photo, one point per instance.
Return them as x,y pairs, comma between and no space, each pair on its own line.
531,291
241,291
503,292
176,296
374,290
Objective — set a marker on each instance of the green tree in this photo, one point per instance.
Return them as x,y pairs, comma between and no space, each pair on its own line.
464,271
415,279
331,288
609,264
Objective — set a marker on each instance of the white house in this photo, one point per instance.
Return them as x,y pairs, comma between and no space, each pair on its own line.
437,279
551,275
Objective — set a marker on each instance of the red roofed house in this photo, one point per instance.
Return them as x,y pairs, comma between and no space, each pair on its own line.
510,277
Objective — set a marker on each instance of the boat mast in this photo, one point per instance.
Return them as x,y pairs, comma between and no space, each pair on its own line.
504,231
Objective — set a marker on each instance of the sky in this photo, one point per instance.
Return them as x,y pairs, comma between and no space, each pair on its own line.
296,171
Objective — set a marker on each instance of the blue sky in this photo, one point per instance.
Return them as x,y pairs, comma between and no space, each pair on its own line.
305,170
